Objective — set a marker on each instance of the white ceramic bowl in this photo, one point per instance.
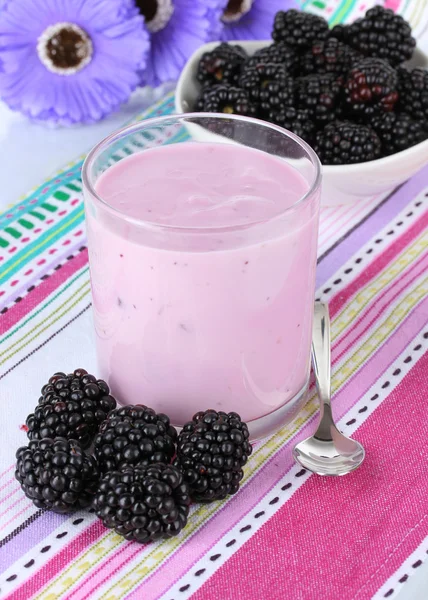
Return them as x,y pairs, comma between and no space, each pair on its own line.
341,184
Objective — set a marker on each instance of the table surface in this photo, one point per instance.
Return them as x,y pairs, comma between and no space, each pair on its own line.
30,153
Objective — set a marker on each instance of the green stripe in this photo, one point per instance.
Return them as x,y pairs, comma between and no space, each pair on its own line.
65,288
37,215
13,232
73,187
26,224
3,243
61,196
341,15
43,242
49,207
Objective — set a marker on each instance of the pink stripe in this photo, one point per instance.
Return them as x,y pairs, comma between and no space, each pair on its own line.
374,268
18,514
107,569
8,482
60,561
263,481
7,471
377,308
352,212
34,298
20,499
359,529
4,498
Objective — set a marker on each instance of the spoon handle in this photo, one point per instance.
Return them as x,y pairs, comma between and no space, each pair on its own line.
321,354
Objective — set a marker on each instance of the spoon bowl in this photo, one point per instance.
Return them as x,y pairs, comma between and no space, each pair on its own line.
328,451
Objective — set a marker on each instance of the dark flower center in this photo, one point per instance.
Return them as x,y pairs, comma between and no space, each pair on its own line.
235,9
65,48
156,13
148,8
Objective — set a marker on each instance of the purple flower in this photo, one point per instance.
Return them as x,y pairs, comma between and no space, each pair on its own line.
251,19
177,28
70,61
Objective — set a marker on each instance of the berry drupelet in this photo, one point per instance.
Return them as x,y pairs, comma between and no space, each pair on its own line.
328,56
277,54
371,88
398,131
298,121
229,100
381,33
298,29
221,65
413,91
134,435
56,474
255,78
71,406
344,143
143,504
274,97
212,448
320,95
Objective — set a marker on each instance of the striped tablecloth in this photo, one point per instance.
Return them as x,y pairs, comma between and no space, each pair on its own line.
286,534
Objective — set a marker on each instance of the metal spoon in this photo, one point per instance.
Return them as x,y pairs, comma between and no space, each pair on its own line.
328,451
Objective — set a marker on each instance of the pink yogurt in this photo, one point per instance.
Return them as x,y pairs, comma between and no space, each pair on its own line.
207,301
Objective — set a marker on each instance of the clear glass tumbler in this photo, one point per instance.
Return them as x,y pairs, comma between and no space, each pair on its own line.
195,317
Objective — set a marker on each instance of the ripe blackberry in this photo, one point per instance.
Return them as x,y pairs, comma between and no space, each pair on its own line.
277,54
134,435
297,121
212,448
57,474
345,143
328,56
229,100
381,33
398,131
371,88
298,29
71,406
275,97
413,92
321,96
143,504
221,65
256,77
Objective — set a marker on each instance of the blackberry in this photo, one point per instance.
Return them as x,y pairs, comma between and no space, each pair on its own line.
398,131
230,100
275,97
381,33
371,88
297,121
413,92
200,101
56,474
221,65
71,406
255,78
277,54
328,56
212,448
321,96
298,29
134,435
143,504
344,143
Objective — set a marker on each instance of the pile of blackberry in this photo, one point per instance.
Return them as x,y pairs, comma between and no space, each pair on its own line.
346,86
128,464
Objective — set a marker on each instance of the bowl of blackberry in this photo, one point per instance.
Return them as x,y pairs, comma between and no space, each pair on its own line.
357,93
126,464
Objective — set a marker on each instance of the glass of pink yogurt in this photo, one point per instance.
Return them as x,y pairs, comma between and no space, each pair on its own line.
202,246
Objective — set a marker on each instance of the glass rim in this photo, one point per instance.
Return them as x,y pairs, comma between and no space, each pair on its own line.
129,129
